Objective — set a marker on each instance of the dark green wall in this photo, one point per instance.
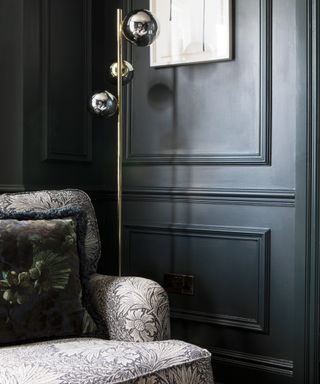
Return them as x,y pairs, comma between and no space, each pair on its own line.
54,55
220,169
67,46
213,168
63,143
11,95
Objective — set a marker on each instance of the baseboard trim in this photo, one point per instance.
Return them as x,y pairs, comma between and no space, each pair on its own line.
252,361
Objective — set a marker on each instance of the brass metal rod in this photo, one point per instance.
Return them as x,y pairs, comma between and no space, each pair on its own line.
120,133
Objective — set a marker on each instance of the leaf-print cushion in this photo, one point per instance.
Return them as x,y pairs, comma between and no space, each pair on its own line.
53,204
40,289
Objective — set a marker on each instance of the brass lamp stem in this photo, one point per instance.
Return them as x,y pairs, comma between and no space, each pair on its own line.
120,132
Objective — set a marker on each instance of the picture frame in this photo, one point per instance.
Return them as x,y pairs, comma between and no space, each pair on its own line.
191,32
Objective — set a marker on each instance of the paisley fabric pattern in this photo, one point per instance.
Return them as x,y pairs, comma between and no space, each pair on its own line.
47,200
130,308
101,361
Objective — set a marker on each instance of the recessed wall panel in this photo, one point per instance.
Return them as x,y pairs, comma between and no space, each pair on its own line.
66,79
210,113
230,268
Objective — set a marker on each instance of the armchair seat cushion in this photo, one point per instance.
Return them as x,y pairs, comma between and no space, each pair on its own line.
97,361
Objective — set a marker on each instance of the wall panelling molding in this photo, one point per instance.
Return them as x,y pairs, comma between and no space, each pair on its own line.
177,243
260,157
65,89
252,361
233,196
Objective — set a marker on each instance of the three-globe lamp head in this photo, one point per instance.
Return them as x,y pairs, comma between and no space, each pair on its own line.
140,28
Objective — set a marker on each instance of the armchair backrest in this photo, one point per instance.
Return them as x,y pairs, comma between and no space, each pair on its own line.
46,200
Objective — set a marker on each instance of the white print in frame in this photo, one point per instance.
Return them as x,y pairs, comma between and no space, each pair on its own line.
192,31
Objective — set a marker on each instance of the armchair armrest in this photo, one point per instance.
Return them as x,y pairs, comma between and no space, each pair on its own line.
130,308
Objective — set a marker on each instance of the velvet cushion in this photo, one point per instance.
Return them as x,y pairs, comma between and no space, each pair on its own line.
40,287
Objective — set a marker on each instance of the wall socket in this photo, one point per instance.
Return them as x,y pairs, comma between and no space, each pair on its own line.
180,284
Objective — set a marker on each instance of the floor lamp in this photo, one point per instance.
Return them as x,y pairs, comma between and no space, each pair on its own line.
140,28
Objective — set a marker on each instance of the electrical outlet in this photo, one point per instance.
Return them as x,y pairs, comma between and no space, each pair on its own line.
180,284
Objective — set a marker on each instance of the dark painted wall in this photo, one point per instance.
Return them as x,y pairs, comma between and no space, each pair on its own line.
212,187
11,95
63,143
54,55
210,179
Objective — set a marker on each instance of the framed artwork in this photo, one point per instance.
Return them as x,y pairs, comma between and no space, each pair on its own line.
192,31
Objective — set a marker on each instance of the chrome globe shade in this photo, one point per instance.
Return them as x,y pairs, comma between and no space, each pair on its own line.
103,104
127,72
140,27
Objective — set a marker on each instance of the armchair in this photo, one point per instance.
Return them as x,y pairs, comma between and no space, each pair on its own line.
131,343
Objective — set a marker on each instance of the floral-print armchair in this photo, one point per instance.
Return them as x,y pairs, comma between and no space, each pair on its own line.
132,343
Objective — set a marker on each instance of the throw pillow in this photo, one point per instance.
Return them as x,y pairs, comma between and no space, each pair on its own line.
40,287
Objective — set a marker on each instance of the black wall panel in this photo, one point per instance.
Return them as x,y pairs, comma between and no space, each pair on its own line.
173,99
66,54
54,55
64,145
155,138
11,95
210,192
221,273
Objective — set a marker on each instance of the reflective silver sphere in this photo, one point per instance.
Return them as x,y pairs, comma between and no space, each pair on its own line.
140,27
127,73
103,104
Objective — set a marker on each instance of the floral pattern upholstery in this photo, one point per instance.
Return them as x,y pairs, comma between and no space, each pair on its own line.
130,308
133,313
100,361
